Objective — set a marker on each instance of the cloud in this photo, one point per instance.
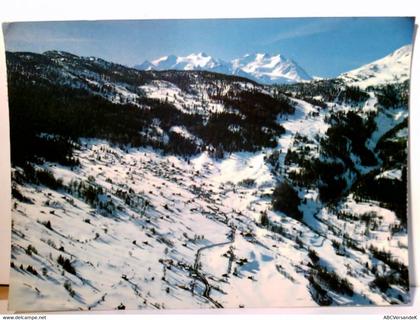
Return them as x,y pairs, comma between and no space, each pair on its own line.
308,29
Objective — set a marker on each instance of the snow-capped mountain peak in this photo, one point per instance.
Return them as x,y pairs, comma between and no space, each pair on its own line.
394,67
199,60
260,67
194,61
268,68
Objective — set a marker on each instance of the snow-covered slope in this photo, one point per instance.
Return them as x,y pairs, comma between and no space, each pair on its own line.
260,67
122,85
171,233
393,68
132,224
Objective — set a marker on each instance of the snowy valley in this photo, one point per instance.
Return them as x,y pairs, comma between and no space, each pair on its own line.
163,189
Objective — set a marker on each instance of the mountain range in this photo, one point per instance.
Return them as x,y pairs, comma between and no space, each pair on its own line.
278,69
261,67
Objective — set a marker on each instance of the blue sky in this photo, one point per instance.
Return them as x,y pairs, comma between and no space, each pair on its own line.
324,47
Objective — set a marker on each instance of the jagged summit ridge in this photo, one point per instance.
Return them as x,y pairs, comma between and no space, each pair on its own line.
260,67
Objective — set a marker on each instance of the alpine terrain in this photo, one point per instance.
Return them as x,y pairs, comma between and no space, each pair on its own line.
260,67
189,182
